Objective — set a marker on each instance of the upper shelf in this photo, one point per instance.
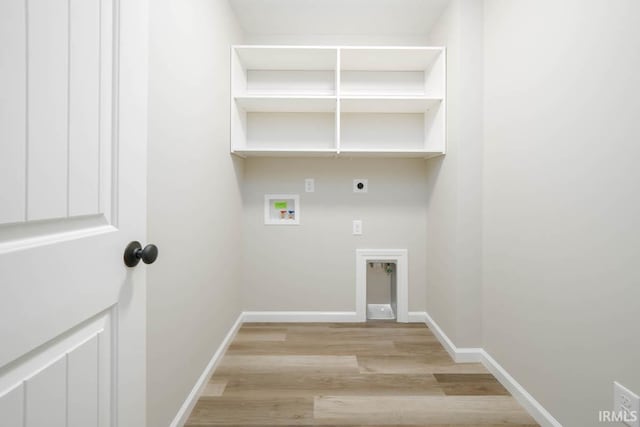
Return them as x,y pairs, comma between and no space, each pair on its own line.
327,104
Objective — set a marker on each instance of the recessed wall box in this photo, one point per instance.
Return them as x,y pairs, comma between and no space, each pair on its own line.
281,209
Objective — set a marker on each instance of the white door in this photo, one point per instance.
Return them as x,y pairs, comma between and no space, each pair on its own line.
73,83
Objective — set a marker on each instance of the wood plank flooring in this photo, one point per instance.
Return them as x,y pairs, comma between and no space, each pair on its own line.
348,375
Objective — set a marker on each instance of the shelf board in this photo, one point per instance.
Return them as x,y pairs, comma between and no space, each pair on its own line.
365,152
388,58
287,57
331,152
387,104
287,104
327,104
285,152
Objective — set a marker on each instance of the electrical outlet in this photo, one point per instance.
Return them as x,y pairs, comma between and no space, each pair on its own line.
357,227
626,403
360,185
309,185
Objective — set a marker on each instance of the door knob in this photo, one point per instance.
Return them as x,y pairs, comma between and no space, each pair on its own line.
134,253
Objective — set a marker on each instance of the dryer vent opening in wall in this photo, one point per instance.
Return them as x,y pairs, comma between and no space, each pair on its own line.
381,290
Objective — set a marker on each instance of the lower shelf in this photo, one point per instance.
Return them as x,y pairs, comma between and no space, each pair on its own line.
389,153
284,152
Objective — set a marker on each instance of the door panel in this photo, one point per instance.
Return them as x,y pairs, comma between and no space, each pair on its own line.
83,369
12,406
46,307
63,177
12,111
72,195
45,396
84,107
55,152
65,382
47,108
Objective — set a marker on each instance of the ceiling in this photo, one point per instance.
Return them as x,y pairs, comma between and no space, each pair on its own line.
343,17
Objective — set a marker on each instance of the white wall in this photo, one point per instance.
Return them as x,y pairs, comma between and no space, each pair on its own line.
370,39
194,198
312,266
454,183
326,21
561,199
337,39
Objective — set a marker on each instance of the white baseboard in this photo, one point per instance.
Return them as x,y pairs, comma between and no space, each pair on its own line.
535,409
459,355
300,316
471,355
188,405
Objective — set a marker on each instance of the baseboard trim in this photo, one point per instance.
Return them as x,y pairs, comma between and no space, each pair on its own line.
191,400
479,355
300,316
459,354
535,409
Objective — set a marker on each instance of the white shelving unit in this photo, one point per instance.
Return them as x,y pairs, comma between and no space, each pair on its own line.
330,100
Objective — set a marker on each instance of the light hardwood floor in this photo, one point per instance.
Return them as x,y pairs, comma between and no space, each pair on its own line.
345,374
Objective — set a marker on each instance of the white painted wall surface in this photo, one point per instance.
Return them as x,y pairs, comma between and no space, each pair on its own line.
312,266
337,39
561,206
454,183
359,21
195,210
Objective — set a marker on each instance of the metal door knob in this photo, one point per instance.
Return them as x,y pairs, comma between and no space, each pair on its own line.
134,253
